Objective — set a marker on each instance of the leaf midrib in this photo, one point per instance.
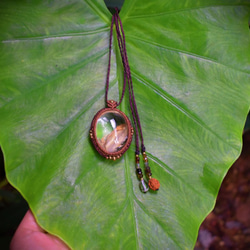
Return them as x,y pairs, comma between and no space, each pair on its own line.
105,18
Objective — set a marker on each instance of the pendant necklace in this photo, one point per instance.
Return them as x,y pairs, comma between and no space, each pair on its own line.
111,131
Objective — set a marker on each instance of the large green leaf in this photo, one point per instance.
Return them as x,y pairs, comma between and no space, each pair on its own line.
190,67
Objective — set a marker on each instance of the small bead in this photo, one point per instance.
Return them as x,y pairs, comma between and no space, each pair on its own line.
153,184
137,159
148,172
139,173
143,186
145,158
139,176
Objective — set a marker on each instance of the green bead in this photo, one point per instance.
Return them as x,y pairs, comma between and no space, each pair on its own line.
143,186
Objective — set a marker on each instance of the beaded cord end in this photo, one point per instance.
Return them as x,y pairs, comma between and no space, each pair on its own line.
143,184
153,183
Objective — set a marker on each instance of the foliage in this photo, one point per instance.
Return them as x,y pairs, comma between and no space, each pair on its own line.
190,67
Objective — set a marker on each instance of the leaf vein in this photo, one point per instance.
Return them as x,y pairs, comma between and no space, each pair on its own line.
130,198
54,37
204,58
184,10
185,110
173,173
159,222
97,11
58,76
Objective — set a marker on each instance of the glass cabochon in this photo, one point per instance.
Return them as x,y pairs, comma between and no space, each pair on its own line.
111,131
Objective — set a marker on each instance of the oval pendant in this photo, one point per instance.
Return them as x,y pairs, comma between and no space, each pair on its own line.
111,132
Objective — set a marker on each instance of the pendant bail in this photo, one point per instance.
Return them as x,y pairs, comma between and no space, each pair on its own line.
112,104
